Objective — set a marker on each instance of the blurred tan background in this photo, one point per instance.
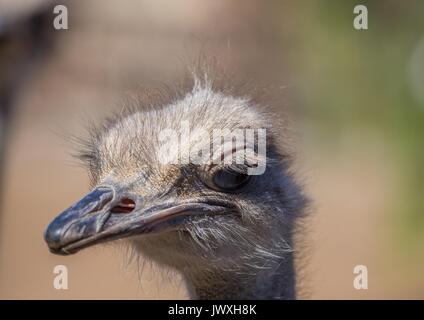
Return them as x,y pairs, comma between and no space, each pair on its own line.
355,98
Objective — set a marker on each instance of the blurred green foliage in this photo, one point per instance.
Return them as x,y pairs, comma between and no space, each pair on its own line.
354,80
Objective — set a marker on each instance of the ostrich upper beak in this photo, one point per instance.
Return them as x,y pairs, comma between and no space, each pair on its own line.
106,214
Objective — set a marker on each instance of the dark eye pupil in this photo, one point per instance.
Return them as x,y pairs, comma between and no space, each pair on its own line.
229,180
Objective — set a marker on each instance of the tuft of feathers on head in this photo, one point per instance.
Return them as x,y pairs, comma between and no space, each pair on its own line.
203,85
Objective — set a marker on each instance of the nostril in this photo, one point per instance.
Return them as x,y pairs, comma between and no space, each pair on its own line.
126,205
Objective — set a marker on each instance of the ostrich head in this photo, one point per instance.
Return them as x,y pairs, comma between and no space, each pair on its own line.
225,222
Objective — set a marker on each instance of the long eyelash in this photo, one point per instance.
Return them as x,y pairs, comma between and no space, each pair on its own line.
238,168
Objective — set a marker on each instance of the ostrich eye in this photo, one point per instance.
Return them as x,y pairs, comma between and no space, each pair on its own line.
229,180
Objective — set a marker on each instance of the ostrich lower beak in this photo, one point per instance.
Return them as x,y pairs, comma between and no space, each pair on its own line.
104,215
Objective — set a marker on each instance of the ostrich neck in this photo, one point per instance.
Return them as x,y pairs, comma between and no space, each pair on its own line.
262,284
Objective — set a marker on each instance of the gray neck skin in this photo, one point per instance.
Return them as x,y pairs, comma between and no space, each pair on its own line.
265,284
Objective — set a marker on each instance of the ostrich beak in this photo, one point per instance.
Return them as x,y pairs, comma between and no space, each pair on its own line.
106,214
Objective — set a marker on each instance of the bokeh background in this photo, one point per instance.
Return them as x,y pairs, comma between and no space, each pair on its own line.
356,99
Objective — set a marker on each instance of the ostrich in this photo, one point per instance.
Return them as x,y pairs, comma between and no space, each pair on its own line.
229,233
